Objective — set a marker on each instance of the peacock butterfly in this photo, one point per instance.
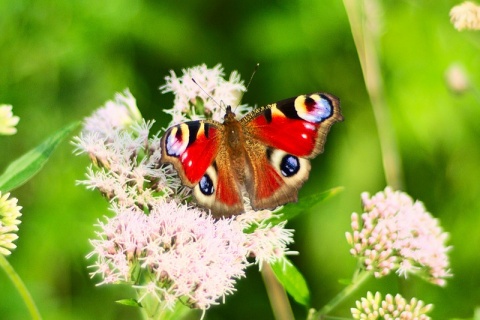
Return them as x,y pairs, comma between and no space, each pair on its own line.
266,153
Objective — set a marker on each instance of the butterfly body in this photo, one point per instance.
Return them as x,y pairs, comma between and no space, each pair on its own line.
265,154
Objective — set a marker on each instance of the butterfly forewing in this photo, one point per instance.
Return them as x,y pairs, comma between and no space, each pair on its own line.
298,125
191,147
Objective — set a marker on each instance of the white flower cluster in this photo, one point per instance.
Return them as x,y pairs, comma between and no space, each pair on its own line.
373,307
396,233
267,242
125,159
7,120
188,255
114,116
9,214
466,16
184,253
203,99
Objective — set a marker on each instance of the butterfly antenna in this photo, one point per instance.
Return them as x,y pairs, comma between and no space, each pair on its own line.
248,84
208,94
251,77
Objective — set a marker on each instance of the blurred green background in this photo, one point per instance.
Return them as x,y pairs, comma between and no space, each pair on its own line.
60,60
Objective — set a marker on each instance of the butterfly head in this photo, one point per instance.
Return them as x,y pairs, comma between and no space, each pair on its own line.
229,115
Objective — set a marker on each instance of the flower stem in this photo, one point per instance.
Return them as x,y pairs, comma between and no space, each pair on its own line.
364,17
21,288
276,294
342,295
155,309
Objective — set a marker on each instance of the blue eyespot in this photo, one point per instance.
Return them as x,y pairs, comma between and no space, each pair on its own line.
289,166
206,185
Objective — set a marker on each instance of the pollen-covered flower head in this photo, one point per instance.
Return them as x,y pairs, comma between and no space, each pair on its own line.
396,233
373,307
7,120
9,214
203,99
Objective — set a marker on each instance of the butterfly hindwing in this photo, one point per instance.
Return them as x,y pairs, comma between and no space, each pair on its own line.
219,189
285,135
275,178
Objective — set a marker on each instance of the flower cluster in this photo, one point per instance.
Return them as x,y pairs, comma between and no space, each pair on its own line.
373,307
267,242
182,253
9,214
200,91
396,233
125,159
168,251
7,120
466,16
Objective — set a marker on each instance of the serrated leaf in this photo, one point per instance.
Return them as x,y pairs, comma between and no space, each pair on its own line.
25,167
129,302
293,281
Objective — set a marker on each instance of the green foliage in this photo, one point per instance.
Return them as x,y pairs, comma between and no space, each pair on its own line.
24,168
306,203
129,302
293,282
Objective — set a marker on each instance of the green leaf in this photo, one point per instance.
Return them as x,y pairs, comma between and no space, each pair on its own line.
304,204
293,281
129,302
25,167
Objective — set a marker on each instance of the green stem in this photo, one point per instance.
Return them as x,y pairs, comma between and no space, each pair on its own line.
346,292
364,17
154,309
276,294
21,288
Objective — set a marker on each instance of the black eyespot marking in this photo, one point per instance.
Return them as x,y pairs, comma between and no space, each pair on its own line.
310,103
269,154
178,134
193,127
290,165
206,185
206,129
288,109
268,115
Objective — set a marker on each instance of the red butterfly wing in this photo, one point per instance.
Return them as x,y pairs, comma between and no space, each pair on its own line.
197,151
280,138
298,126
191,147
